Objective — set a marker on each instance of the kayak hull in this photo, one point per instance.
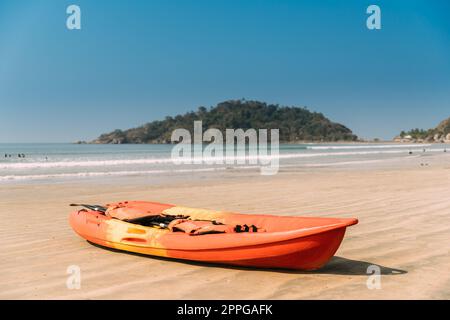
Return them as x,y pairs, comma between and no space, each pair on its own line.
300,248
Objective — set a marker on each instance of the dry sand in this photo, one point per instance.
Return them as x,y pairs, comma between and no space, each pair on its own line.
404,228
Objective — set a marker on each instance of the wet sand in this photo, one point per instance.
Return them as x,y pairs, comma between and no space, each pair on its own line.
404,228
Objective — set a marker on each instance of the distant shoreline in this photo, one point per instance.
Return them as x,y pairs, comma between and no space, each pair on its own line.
282,142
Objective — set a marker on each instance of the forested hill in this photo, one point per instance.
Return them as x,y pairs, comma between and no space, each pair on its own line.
439,134
295,124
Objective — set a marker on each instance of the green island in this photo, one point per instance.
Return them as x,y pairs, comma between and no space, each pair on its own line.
296,124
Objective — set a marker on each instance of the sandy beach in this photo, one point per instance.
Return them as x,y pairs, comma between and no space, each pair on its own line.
404,227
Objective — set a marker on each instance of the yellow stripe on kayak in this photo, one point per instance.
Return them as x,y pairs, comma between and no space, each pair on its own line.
194,213
118,231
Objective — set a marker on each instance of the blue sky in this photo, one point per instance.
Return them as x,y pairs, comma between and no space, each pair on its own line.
137,61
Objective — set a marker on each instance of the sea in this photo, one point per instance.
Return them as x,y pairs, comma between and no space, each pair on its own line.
25,162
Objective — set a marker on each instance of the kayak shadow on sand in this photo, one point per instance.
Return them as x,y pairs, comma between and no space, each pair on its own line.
344,266
337,265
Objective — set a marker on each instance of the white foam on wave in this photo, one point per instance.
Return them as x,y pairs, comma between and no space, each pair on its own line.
345,163
100,174
417,152
126,162
383,146
86,163
352,153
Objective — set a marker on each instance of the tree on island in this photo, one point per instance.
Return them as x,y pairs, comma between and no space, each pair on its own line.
439,134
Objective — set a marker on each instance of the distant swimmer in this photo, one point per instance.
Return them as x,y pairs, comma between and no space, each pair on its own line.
6,156
23,155
410,152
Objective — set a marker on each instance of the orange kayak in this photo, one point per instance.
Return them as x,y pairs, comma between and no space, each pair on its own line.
301,243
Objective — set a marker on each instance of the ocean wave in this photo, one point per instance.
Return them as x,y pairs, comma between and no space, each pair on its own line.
344,163
86,163
383,146
101,174
217,160
86,174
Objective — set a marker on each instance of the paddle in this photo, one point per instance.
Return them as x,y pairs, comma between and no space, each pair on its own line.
90,207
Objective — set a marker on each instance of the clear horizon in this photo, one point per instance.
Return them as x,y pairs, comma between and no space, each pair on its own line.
135,62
